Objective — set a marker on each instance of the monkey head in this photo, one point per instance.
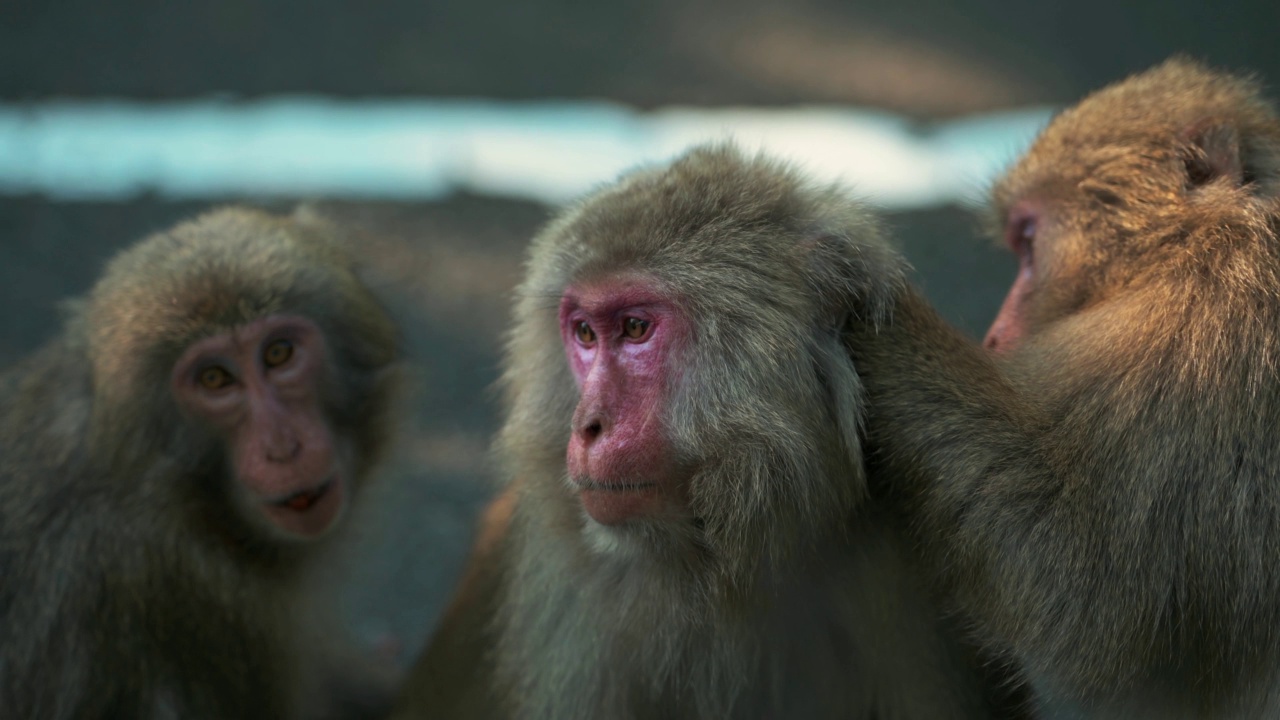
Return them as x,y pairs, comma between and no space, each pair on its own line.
1149,182
243,347
676,359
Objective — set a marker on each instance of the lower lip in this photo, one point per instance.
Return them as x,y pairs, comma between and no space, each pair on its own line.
315,516
618,504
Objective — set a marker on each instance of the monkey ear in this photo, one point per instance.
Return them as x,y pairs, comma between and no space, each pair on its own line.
843,389
855,272
1214,153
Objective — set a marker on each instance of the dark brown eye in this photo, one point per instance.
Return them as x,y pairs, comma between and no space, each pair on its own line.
584,333
1021,230
1021,235
1026,238
1027,229
277,353
215,378
635,328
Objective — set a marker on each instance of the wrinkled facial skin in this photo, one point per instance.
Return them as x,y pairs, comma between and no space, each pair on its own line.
620,336
259,386
1010,325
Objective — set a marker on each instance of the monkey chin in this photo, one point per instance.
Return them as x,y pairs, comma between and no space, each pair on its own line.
629,520
311,513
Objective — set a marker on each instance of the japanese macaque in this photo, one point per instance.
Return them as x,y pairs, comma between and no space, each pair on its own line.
688,532
170,465
1100,490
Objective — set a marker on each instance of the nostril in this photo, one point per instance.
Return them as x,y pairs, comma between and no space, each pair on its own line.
589,425
284,452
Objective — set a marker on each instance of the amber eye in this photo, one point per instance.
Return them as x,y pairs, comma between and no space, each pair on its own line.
635,328
277,353
584,333
215,378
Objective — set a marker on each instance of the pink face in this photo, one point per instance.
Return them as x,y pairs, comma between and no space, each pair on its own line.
1009,327
619,335
259,385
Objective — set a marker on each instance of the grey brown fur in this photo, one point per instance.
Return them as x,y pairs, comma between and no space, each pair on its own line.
130,587
795,596
1102,499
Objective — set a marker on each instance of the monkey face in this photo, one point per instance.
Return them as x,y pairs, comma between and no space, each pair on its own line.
258,386
1020,235
619,335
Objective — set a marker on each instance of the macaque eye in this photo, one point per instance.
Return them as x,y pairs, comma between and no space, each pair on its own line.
1026,230
277,353
584,333
635,328
1021,235
215,377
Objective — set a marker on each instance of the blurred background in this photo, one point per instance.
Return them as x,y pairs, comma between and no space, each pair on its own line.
440,135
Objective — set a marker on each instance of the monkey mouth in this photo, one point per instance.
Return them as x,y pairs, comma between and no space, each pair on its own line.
304,500
310,513
614,503
589,484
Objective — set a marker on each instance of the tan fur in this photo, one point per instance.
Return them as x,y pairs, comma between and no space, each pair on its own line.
1102,499
794,597
131,587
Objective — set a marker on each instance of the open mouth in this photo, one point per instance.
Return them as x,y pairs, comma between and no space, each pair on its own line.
304,500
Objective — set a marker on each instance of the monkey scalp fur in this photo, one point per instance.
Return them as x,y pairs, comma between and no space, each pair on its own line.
1102,497
131,588
790,595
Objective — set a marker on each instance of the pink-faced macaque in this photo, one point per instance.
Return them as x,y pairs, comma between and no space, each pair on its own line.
171,464
689,532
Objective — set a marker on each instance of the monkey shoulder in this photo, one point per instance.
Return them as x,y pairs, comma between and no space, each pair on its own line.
45,401
52,535
45,407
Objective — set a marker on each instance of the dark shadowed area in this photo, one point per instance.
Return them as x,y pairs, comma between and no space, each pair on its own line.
446,268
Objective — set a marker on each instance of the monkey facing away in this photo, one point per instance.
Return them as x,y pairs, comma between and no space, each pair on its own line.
688,532
1100,489
170,463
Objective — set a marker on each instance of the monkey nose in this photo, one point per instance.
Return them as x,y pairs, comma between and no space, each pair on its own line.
283,449
591,430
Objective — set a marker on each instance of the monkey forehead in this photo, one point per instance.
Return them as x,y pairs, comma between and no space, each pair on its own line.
1144,118
245,339
715,217
208,275
609,294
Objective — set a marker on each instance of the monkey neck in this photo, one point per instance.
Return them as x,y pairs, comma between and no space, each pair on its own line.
645,632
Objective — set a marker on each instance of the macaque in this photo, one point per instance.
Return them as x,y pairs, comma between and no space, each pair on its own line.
1097,488
170,466
688,531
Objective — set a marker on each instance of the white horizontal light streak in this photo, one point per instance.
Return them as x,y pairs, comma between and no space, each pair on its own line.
428,149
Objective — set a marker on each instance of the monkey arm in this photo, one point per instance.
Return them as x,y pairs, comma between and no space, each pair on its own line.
1044,557
454,676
